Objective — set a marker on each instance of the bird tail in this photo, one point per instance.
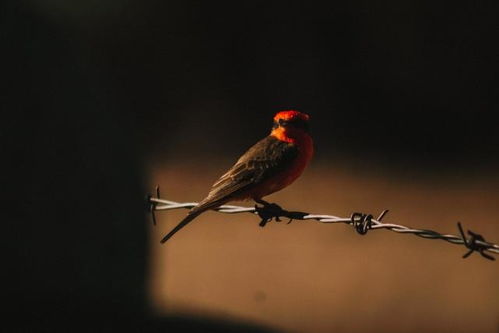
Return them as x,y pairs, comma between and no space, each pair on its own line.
195,212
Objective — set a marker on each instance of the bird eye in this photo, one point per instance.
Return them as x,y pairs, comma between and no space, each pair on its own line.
283,122
296,123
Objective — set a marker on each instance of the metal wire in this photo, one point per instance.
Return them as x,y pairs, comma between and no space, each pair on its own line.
362,223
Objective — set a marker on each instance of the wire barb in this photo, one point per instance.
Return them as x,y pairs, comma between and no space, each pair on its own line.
362,223
152,205
474,244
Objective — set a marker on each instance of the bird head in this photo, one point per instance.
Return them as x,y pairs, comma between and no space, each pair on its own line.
291,120
290,125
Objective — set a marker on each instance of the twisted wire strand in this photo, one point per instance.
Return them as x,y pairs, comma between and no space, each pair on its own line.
361,222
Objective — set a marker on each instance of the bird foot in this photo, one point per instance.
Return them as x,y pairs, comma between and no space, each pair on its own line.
269,211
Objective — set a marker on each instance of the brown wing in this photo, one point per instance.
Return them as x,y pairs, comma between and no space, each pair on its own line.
266,158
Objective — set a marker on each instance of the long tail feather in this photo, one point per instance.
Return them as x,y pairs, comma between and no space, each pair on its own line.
191,216
195,212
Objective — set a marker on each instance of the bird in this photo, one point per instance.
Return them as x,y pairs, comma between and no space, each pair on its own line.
270,165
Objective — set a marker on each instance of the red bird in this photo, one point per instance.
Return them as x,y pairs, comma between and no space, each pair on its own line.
270,165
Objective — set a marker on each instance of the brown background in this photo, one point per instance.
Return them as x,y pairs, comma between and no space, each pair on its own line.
309,277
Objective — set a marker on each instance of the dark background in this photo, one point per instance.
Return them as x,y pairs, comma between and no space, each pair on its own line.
94,91
403,79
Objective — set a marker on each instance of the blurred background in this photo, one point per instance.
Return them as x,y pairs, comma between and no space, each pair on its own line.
106,99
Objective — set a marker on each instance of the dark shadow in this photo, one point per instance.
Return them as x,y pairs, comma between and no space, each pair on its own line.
73,229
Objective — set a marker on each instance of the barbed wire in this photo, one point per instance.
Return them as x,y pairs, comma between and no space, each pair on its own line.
362,223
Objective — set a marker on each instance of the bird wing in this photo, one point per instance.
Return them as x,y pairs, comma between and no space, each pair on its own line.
266,158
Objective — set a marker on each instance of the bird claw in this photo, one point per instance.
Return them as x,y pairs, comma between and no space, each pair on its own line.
269,211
